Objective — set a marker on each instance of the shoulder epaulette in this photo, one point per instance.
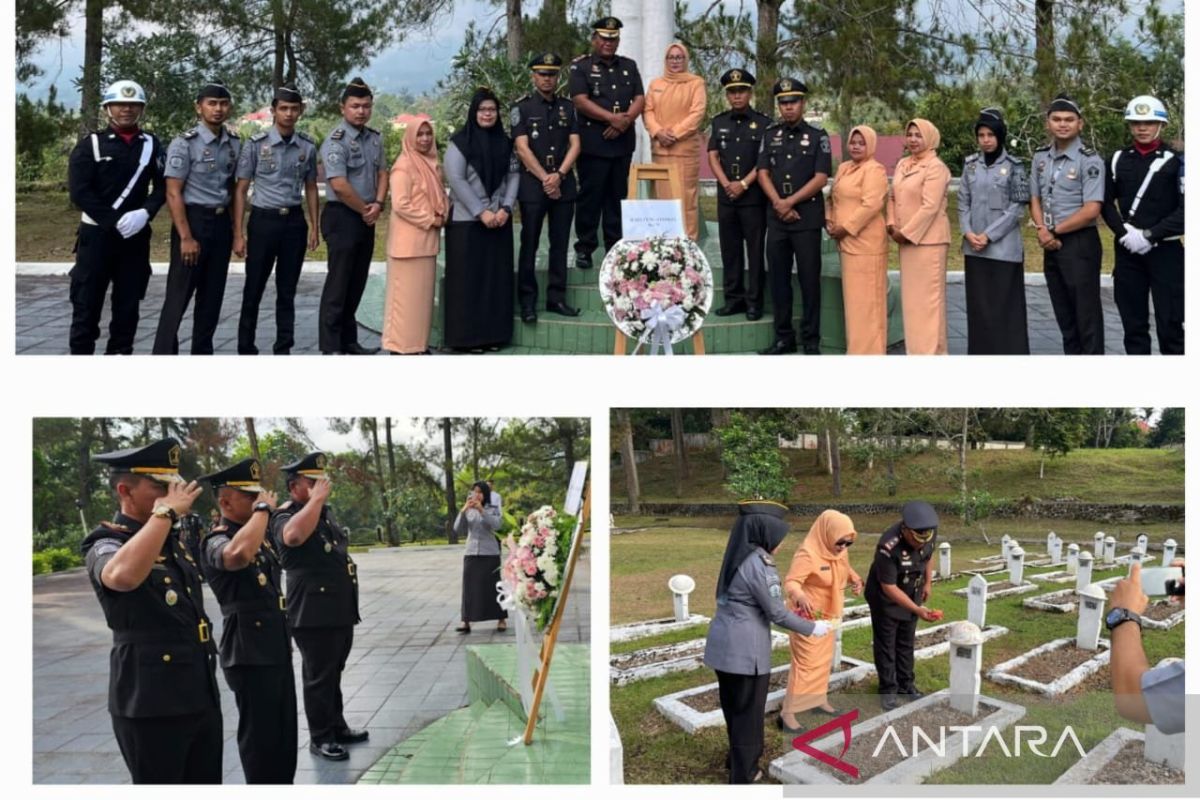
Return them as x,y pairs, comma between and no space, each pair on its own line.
258,137
579,57
767,558
970,158
522,98
192,134
114,526
338,134
1042,149
816,128
286,504
369,129
306,137
219,529
1087,151
233,132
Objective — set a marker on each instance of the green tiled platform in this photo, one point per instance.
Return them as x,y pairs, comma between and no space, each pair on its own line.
470,745
592,331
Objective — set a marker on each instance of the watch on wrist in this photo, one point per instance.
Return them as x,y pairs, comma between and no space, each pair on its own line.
262,506
1119,615
164,511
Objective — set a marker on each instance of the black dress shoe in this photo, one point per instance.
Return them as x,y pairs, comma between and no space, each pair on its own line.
351,736
729,309
528,315
888,702
357,349
779,348
583,261
328,750
753,313
561,307
910,694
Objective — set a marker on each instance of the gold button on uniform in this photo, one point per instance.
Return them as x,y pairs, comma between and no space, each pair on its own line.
166,656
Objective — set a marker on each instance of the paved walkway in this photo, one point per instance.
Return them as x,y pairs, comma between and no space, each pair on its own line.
407,668
43,317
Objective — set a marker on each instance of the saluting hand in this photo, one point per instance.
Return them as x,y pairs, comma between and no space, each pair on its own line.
320,490
180,496
266,497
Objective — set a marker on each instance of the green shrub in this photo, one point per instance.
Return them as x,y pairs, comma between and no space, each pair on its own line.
60,558
753,463
40,565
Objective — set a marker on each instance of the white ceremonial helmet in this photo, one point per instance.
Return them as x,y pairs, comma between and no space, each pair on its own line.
1145,108
123,92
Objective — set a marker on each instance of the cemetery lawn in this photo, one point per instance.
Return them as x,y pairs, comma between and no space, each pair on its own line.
1135,475
657,751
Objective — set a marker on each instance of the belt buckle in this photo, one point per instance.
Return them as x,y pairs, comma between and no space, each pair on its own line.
735,170
283,212
282,603
550,161
616,108
787,187
203,630
219,210
350,567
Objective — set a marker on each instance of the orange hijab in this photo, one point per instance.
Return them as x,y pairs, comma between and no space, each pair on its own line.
423,168
817,550
871,138
679,77
932,137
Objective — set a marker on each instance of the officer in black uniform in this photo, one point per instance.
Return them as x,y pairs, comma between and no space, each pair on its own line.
256,655
162,683
282,162
356,184
200,167
1144,208
546,139
322,601
794,164
741,205
607,92
115,177
898,584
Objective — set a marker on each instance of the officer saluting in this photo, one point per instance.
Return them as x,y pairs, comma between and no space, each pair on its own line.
741,205
794,164
244,572
899,583
322,601
607,92
200,165
109,175
546,138
1144,209
162,685
282,162
355,186
1067,193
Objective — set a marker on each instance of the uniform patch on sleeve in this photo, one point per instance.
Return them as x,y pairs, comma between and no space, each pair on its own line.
175,161
514,118
775,591
106,547
1093,171
824,144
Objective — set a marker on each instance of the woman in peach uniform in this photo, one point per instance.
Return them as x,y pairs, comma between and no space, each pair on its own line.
675,107
855,221
917,221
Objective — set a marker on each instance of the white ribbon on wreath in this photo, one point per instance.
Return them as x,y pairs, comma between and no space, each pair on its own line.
661,324
528,650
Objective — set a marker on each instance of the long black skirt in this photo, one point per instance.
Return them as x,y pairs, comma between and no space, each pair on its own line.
480,574
477,295
996,320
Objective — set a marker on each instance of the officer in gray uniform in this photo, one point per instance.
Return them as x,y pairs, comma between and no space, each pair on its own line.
282,162
356,184
749,599
200,176
992,196
1067,194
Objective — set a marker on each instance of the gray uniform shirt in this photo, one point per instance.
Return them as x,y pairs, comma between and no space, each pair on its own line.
991,201
467,193
739,637
353,154
1163,691
1066,179
278,169
205,161
480,530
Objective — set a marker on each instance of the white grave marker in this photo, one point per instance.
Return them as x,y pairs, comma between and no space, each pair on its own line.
1136,555
977,601
1098,545
1072,558
837,648
681,586
1016,566
1083,576
1168,552
944,559
1110,550
966,652
1091,611
1143,541
1006,546
1050,537
1056,551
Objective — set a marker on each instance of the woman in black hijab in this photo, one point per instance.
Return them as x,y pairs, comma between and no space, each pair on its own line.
477,297
749,599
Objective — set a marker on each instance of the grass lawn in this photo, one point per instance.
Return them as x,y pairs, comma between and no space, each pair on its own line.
1094,475
656,751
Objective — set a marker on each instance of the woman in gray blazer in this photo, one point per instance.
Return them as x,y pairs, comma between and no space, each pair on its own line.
477,298
749,599
478,521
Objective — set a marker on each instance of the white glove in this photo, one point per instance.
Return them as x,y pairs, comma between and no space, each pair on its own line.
131,222
1135,241
820,628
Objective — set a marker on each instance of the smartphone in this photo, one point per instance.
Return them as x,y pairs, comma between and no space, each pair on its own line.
1159,581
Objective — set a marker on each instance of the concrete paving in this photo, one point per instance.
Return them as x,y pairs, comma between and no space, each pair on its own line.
407,668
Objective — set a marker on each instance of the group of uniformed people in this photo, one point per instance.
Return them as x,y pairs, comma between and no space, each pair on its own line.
148,566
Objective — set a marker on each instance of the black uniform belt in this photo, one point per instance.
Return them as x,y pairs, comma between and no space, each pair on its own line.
308,572
198,634
283,212
211,211
258,604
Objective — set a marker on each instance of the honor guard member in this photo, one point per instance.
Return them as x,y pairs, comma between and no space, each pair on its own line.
898,584
162,683
546,138
115,177
200,167
741,205
607,92
794,164
1067,192
355,187
1144,209
243,569
322,601
282,163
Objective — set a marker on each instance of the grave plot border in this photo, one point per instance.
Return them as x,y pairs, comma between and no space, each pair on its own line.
1000,672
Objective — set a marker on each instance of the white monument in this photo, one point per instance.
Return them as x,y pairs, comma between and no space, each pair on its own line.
1110,550
681,586
1169,547
1006,546
966,655
1016,566
1098,546
1083,576
1056,551
649,29
1050,537
1072,558
1143,541
944,559
1136,556
977,601
1091,611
